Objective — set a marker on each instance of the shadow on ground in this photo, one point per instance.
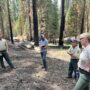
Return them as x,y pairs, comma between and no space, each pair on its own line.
29,75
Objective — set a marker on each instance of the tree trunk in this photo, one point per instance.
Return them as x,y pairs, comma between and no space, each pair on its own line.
35,23
62,26
29,16
87,22
9,19
82,21
1,21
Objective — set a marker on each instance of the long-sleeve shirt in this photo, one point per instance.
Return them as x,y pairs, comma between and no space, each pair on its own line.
3,45
43,43
75,51
84,61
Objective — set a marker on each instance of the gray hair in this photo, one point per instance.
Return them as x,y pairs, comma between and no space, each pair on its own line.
85,35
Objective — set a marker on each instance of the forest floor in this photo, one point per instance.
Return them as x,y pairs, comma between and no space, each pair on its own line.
29,75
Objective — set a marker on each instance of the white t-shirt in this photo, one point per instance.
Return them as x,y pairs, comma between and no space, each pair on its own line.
84,61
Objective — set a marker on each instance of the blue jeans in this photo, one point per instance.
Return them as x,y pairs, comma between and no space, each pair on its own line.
43,56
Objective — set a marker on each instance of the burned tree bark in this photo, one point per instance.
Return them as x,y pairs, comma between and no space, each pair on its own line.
35,23
83,16
10,24
62,25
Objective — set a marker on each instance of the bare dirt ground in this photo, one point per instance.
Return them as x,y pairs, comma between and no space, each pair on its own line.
29,75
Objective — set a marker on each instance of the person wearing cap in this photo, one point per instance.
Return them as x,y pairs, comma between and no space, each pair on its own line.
74,52
84,63
43,43
4,53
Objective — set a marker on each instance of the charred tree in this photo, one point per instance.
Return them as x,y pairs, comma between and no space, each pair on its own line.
62,26
83,17
35,22
10,24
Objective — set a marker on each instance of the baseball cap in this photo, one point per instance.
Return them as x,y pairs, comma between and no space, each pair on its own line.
74,41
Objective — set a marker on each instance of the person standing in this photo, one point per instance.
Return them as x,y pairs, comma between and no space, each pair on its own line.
4,53
43,43
84,63
74,52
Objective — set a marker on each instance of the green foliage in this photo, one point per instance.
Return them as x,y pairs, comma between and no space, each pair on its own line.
52,18
15,9
18,27
73,19
49,16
